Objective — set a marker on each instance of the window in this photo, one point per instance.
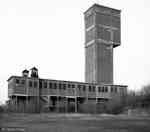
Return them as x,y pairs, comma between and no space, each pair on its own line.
116,89
73,86
64,86
103,89
99,89
35,84
40,84
106,89
23,82
45,84
55,85
60,86
30,83
93,88
79,87
84,87
17,81
90,88
69,85
112,89
50,85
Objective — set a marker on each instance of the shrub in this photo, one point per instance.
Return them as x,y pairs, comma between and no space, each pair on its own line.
87,107
114,106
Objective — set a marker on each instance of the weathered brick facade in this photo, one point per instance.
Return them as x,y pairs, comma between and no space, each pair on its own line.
29,94
102,31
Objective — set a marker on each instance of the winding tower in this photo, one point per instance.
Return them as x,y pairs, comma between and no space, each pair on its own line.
102,35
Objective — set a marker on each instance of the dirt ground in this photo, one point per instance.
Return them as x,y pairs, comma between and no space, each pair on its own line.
45,122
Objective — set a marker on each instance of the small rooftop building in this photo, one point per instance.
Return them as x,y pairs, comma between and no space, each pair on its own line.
34,72
25,73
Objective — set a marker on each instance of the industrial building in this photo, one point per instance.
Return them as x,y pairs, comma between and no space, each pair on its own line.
30,93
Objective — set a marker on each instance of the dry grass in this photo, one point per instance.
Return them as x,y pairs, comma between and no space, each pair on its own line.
76,122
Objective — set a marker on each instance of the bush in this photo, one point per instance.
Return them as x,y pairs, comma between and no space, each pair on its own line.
114,106
87,107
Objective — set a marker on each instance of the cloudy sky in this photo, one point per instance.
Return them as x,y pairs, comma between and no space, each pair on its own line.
50,35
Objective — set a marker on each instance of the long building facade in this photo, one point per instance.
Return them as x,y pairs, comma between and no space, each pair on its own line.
30,93
35,94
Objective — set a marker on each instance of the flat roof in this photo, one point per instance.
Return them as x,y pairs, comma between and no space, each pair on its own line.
67,81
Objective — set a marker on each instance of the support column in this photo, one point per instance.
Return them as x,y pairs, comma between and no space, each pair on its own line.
23,106
38,103
16,104
66,106
87,91
87,97
48,101
96,105
58,104
76,109
27,103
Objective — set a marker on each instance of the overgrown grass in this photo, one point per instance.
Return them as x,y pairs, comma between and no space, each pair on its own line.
76,122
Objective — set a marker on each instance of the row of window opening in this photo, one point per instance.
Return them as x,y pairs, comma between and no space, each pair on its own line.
64,86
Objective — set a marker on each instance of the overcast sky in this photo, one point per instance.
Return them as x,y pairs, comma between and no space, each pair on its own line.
50,36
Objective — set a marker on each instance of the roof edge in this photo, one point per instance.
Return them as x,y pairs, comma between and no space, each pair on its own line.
98,5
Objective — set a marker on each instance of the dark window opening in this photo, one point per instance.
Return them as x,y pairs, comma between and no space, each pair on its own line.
45,84
84,87
79,87
23,82
50,85
69,85
93,88
35,84
17,81
73,86
106,89
103,89
99,89
60,86
40,84
55,85
112,89
115,89
90,88
64,86
30,83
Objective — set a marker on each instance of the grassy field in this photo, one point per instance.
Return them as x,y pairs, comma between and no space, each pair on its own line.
75,122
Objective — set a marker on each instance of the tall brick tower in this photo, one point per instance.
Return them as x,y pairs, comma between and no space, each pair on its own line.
102,35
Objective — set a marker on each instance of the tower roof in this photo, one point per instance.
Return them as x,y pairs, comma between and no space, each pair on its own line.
34,68
94,6
25,71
